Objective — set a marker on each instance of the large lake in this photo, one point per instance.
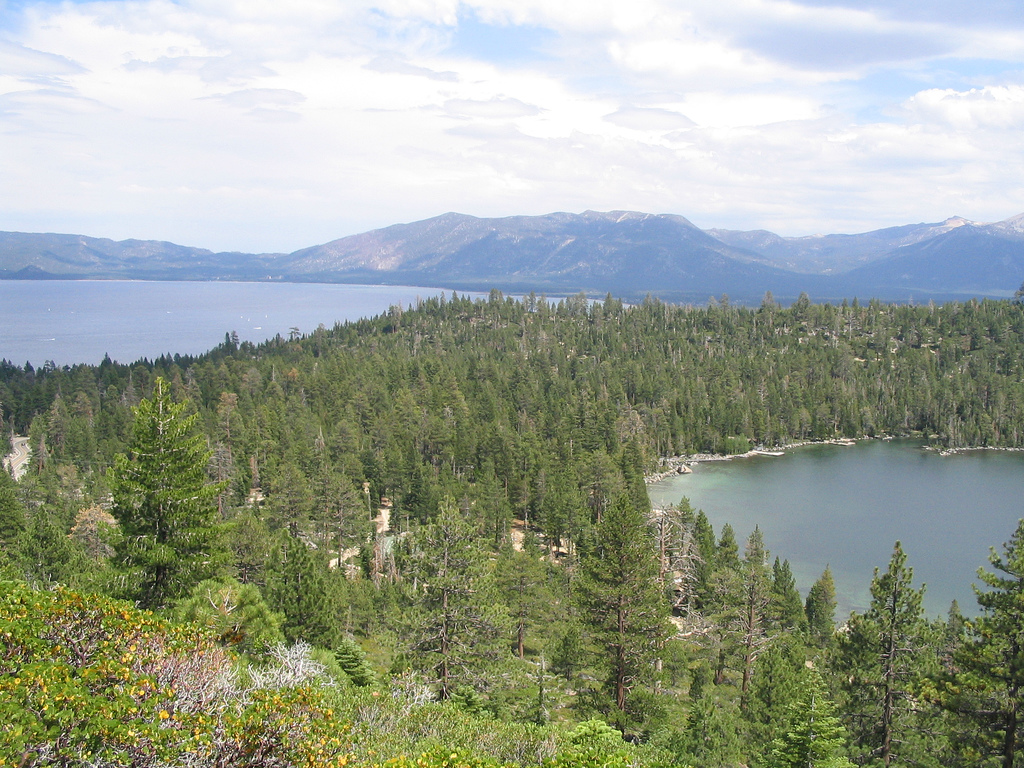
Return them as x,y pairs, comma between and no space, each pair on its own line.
79,321
846,506
816,505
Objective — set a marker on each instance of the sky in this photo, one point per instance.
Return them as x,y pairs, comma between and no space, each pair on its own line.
268,126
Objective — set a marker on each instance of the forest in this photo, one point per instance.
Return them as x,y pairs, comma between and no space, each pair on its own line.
425,538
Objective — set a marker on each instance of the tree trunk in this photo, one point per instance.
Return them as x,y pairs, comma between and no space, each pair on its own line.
1010,737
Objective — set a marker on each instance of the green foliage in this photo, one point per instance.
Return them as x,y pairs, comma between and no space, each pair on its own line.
787,609
754,616
522,581
568,650
456,624
881,663
595,733
90,681
12,521
234,613
621,602
710,737
813,734
820,607
727,551
734,446
302,590
353,662
164,505
549,414
990,688
777,686
592,744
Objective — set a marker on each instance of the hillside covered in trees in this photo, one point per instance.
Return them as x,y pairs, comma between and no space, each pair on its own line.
430,531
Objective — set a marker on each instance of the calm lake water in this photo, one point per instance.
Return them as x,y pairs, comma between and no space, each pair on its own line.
846,506
79,321
816,505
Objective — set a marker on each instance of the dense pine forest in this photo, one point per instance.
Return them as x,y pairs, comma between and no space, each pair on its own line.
425,538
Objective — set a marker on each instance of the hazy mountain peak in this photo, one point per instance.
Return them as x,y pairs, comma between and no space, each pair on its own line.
955,221
628,253
1013,225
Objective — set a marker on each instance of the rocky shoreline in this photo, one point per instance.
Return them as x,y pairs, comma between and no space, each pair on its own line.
957,451
682,465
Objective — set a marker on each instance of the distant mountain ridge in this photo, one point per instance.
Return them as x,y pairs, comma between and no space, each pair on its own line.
830,254
626,253
39,256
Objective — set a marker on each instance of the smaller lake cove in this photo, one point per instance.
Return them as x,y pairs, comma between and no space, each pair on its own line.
845,506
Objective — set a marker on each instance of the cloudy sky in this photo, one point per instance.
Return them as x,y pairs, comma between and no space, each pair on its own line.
263,125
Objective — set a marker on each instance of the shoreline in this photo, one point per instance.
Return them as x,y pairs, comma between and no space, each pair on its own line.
682,465
956,451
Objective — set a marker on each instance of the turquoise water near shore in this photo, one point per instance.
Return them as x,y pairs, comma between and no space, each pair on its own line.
845,507
817,505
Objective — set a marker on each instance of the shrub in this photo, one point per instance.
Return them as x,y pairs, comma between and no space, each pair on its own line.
88,680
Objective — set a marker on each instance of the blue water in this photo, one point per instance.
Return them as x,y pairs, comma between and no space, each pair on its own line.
846,506
817,506
79,321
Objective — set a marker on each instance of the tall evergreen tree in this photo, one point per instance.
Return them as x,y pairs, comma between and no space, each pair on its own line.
727,553
820,607
164,505
880,662
704,535
522,580
456,624
300,588
753,618
775,689
12,522
787,609
622,603
814,736
992,680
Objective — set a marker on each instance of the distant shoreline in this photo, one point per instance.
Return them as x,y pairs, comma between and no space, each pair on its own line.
681,465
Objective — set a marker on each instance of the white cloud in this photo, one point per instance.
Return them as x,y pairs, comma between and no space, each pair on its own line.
498,107
270,126
1000,107
649,119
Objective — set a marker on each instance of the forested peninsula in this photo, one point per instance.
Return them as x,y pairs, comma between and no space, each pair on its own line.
425,539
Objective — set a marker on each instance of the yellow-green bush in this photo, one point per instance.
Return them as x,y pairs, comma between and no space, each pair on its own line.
89,680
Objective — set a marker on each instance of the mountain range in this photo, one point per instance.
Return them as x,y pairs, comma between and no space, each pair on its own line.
625,253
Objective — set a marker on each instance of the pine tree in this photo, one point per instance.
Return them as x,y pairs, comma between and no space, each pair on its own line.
727,553
711,736
814,736
522,580
776,688
820,607
12,522
620,598
879,659
457,624
166,509
787,609
704,535
298,587
993,664
756,596
352,660
236,613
